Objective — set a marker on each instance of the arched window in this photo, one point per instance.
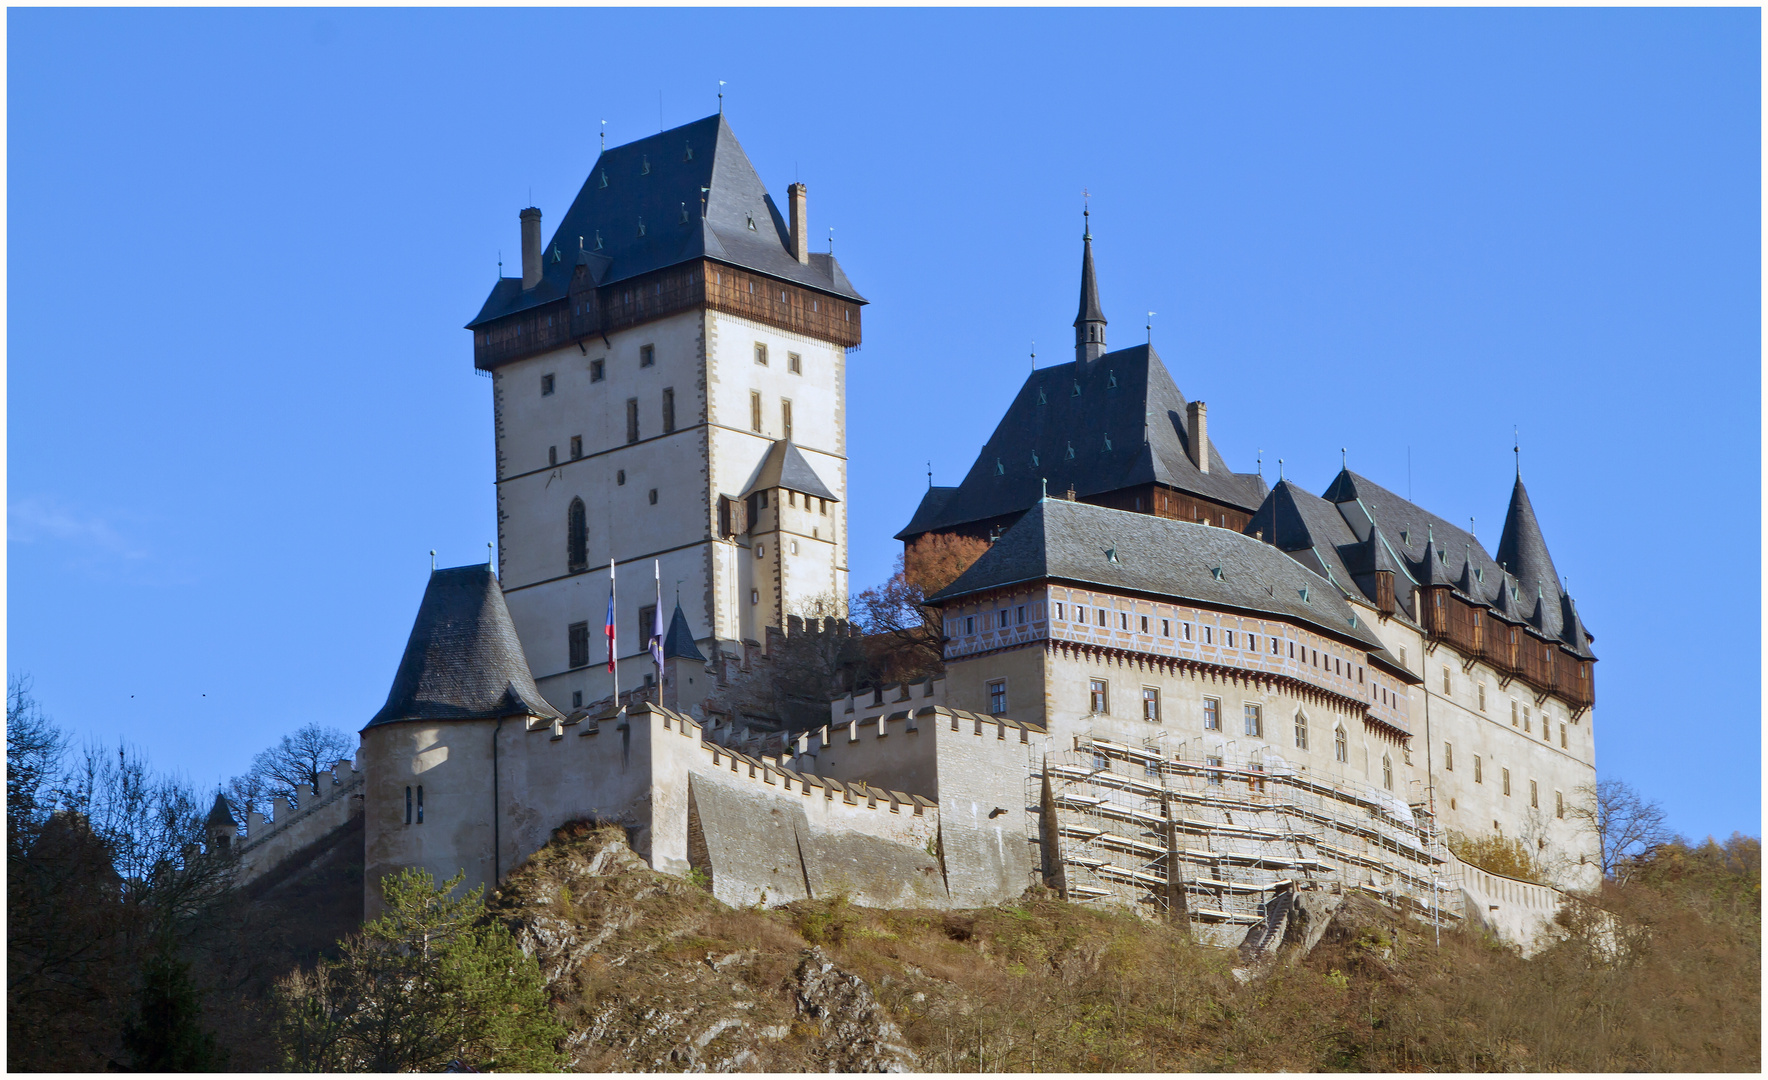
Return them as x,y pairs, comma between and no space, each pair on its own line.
1341,750
1387,772
1301,730
576,537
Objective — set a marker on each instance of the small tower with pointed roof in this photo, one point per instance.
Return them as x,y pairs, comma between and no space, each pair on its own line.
1089,322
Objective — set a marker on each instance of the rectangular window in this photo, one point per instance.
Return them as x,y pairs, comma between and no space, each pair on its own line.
408,805
577,699
1402,656
552,455
1301,731
647,355
1101,616
576,447
632,420
754,410
1341,747
1479,772
1099,698
1513,715
1144,624
1209,635
1482,697
1256,782
761,354
546,385
1059,610
1123,620
578,636
1021,614
1229,638
1506,778
997,696
1525,718
1214,764
1166,628
1255,720
1151,704
1445,678
794,363
641,638
1534,795
785,419
420,804
1003,619
1559,804
668,409
1562,745
1212,714
596,370
969,624
1187,631
1448,757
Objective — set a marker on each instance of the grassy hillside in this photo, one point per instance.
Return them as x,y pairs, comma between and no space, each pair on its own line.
650,972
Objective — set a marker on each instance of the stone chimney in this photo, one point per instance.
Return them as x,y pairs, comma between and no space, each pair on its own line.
530,247
795,196
1197,427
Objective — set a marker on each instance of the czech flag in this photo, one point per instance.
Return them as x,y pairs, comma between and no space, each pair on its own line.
610,630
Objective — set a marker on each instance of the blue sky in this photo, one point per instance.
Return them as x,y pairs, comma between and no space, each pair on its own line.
242,245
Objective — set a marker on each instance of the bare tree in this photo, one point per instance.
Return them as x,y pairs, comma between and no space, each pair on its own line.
35,751
301,758
1627,825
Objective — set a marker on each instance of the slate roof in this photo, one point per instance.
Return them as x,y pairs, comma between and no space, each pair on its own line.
1311,530
1068,541
221,814
785,467
1432,551
679,641
463,660
1089,287
654,180
1100,426
932,505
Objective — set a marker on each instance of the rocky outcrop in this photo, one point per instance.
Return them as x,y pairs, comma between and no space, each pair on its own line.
857,1031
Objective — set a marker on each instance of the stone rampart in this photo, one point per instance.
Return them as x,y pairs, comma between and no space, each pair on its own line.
1517,912
312,816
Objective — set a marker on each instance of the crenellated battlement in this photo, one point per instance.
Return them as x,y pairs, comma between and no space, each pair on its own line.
311,816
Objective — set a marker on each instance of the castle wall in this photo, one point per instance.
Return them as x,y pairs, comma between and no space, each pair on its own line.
313,816
451,761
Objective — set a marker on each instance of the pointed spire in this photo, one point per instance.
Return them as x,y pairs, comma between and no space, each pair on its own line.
679,641
222,814
1380,561
1523,551
1089,322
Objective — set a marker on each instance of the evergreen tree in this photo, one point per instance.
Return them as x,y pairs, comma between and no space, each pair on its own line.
427,982
166,1034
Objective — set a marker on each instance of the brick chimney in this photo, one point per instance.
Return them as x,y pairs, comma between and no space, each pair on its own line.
795,196
530,247
1197,427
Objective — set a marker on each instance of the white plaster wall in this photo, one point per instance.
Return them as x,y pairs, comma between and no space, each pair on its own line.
453,763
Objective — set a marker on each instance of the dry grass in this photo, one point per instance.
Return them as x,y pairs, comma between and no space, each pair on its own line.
1660,975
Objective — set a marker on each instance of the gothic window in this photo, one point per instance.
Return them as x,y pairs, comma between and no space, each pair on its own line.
576,447
576,536
1301,731
1341,750
1387,772
552,455
578,640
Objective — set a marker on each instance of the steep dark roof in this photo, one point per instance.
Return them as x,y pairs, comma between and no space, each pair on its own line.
931,507
1089,288
221,814
785,467
1310,530
654,180
1523,552
679,641
463,660
1124,421
1069,541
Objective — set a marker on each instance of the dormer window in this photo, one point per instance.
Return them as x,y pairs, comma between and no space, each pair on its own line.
687,151
1071,451
751,222
1107,440
641,226
644,168
1113,381
684,213
604,182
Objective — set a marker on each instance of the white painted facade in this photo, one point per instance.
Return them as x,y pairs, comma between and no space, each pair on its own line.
657,498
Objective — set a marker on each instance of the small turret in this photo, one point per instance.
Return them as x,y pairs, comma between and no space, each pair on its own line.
221,829
1089,323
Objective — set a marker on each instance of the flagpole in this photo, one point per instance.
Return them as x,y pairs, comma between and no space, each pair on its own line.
657,626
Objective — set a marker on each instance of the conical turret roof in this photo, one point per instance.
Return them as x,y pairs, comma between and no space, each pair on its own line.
1090,311
221,815
463,660
679,641
1523,552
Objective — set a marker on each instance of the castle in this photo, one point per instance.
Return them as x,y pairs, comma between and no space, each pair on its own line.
1167,685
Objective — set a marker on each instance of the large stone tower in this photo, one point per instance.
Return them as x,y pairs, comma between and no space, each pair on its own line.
668,381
